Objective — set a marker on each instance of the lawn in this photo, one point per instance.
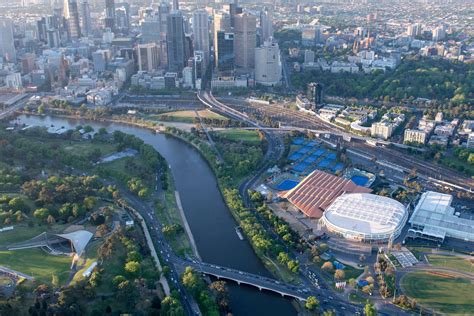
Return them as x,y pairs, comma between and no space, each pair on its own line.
452,262
444,294
24,232
189,116
247,136
37,263
84,148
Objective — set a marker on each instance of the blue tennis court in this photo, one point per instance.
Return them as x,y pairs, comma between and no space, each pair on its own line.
310,160
295,156
298,141
338,265
338,166
360,180
304,150
331,156
300,167
325,163
318,152
287,185
311,143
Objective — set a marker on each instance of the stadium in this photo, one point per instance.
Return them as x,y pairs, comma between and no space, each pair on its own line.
365,217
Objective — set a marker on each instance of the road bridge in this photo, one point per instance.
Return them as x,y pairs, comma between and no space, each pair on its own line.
240,277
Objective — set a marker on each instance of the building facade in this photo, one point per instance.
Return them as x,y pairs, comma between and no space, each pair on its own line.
268,66
245,32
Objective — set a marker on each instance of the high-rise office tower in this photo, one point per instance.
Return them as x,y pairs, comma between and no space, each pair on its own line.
175,41
315,94
438,33
266,24
163,12
71,14
221,24
86,17
150,29
121,20
224,50
7,45
49,30
110,14
233,9
245,32
268,65
176,5
201,33
148,57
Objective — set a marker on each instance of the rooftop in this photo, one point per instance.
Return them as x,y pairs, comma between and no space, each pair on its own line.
436,215
365,213
318,190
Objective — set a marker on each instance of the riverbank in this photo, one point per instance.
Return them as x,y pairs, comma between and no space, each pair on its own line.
212,225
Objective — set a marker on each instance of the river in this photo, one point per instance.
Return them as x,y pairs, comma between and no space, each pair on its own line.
211,222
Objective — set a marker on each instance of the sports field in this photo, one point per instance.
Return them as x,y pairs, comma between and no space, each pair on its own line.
189,116
452,262
442,292
243,135
38,264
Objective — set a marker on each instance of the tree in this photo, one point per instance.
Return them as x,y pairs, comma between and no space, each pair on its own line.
191,281
89,202
327,266
311,303
339,274
132,267
170,306
369,310
283,257
293,265
50,219
370,279
41,213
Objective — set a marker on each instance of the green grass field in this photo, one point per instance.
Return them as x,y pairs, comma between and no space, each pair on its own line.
452,262
23,232
189,116
243,135
37,263
84,148
453,296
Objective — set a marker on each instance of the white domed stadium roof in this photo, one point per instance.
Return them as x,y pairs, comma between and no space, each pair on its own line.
365,216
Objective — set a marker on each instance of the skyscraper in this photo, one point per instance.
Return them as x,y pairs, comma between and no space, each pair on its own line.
266,24
163,12
245,32
148,57
224,49
71,14
315,94
86,17
176,5
7,45
221,24
175,41
110,14
201,33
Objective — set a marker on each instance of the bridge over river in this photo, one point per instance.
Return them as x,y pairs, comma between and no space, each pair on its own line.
240,277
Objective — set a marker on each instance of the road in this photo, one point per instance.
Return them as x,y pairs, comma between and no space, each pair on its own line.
165,251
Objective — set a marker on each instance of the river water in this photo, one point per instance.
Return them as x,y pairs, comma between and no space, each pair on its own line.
211,222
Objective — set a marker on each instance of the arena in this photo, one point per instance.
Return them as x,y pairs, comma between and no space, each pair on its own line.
365,217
